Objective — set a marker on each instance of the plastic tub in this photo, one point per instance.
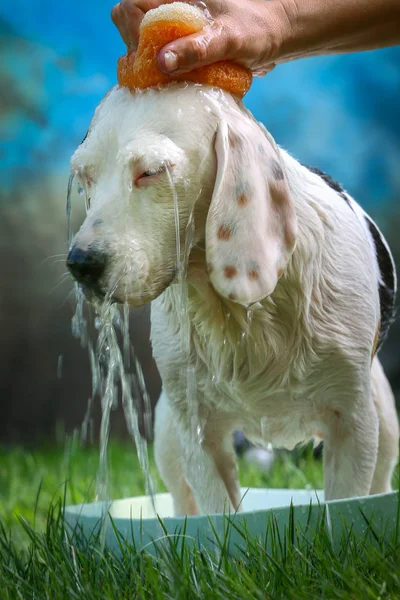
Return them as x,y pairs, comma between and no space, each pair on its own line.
133,520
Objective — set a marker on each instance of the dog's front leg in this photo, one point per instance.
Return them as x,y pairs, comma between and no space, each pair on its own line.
350,445
210,468
198,467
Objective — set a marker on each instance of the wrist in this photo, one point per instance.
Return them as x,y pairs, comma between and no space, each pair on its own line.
281,31
313,27
316,27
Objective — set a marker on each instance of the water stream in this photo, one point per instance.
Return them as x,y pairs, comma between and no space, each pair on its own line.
188,375
116,374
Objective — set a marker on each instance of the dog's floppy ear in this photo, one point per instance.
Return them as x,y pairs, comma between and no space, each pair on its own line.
251,223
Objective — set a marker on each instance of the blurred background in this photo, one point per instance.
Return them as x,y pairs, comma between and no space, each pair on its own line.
340,114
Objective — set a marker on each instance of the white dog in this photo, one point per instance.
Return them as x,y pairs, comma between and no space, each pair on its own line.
288,293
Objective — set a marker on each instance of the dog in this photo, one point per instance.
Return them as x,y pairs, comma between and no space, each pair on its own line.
269,319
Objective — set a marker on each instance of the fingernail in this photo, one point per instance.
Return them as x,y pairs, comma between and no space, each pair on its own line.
170,61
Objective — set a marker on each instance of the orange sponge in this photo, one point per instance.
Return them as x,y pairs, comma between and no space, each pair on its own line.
166,24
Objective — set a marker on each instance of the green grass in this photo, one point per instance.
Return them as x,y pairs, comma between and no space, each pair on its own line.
37,560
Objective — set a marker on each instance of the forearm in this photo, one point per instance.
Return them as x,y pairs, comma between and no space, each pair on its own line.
319,27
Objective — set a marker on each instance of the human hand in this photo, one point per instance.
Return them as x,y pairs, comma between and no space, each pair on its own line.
260,33
248,32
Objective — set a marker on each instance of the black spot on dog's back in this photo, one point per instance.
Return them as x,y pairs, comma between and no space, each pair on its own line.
334,185
387,284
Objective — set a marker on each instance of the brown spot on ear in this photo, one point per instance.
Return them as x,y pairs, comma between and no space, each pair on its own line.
243,200
224,233
280,273
290,238
253,274
277,170
280,197
279,193
232,296
230,271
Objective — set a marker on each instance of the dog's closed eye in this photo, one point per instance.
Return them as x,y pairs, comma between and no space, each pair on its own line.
150,175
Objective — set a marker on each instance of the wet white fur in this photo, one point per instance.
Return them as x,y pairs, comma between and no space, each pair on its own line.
295,367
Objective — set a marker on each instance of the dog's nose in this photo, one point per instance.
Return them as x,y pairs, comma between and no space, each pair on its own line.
87,266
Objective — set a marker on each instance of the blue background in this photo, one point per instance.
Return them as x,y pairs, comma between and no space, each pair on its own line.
57,60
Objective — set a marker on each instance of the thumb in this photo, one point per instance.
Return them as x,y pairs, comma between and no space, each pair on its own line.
194,51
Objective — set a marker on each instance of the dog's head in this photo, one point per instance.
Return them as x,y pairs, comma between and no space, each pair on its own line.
153,161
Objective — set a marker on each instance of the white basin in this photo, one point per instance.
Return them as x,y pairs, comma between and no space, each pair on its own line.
134,519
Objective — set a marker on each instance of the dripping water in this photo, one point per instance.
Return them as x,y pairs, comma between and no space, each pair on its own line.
116,372
264,428
60,366
188,375
69,191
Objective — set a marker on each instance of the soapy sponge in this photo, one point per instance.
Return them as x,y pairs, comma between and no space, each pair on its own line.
166,24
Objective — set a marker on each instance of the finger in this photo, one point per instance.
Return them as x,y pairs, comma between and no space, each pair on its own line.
146,5
127,18
197,50
264,71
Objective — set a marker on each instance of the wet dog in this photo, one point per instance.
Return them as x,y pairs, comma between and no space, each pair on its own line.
270,319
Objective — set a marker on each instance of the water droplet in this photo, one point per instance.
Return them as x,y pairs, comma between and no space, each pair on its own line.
200,434
60,366
329,522
264,427
135,245
68,208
